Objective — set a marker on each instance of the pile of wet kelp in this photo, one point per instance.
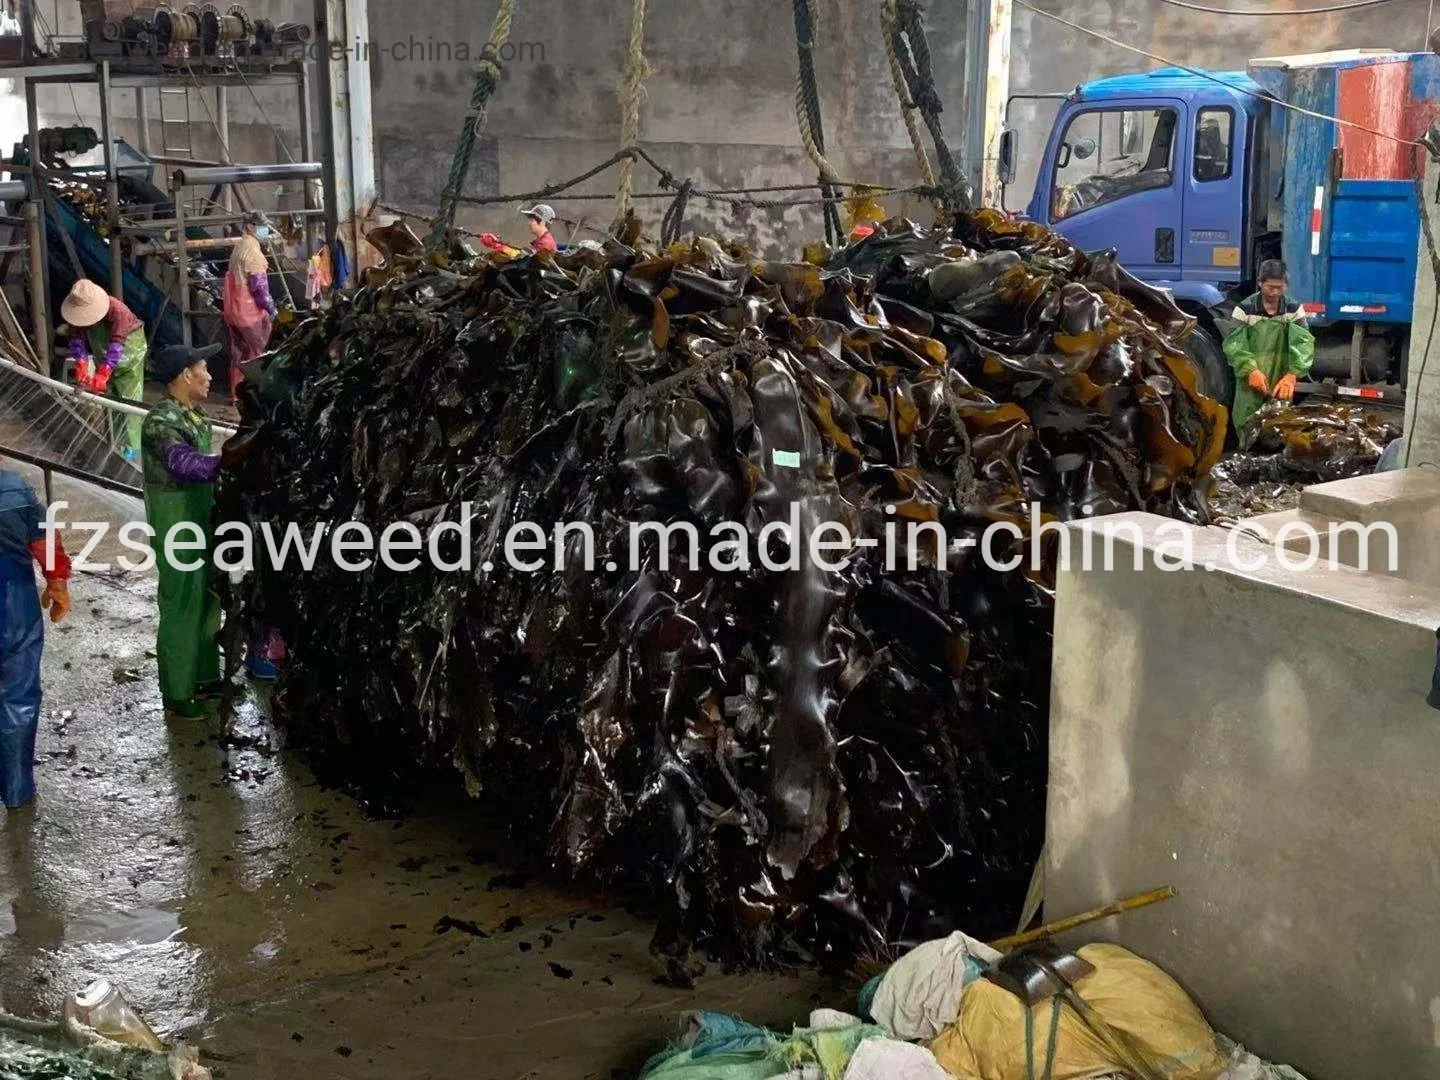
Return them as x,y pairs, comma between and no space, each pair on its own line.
808,761
1313,442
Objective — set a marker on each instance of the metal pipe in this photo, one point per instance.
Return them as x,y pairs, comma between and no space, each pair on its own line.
157,247
39,321
150,228
183,258
112,185
13,191
40,250
163,159
73,473
307,151
222,124
142,117
243,174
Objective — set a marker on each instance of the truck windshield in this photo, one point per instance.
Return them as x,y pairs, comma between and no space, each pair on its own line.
1107,154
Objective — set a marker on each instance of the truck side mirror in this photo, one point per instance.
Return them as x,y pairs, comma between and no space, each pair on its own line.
1007,156
1085,148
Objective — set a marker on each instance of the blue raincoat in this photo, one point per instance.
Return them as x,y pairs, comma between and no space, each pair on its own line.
22,636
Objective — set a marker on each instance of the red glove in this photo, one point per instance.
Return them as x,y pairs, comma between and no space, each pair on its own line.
83,374
1285,388
493,242
54,569
1258,382
101,382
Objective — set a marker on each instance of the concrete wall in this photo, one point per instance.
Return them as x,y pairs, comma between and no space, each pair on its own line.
720,104
1047,56
1422,397
1260,740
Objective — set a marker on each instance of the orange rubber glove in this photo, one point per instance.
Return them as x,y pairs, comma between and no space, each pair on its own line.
1258,382
1285,388
56,600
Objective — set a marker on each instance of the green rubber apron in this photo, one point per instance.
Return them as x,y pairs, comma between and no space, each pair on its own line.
189,607
127,381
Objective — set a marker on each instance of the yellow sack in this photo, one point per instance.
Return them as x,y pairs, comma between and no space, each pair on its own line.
1133,996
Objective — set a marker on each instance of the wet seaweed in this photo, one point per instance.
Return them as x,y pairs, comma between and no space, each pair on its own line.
793,764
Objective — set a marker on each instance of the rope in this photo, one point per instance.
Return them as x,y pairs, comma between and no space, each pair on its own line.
1353,5
1214,78
487,78
912,52
673,225
632,89
889,24
807,112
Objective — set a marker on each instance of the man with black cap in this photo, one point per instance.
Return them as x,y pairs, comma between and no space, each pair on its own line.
541,239
179,472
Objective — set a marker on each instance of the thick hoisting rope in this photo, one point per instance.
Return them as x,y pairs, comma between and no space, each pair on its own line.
912,53
487,78
889,24
632,91
807,113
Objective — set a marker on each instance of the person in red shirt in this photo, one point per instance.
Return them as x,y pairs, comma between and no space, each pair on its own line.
542,239
22,637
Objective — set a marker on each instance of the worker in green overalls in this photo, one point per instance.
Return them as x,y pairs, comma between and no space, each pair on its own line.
108,345
1271,348
179,488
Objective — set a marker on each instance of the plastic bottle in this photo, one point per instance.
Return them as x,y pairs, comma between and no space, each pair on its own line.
102,1008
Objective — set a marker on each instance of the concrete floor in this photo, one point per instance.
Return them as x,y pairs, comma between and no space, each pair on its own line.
243,907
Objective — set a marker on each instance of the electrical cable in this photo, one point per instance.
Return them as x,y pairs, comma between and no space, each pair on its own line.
1214,78
1352,5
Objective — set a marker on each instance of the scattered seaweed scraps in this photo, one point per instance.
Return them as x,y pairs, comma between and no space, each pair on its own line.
793,764
1311,442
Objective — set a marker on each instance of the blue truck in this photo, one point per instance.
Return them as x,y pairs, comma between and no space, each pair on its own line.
1195,177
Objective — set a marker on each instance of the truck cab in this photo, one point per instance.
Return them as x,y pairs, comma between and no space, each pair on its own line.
1195,177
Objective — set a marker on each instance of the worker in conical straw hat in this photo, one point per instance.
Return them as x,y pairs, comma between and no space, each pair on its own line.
179,491
107,342
249,309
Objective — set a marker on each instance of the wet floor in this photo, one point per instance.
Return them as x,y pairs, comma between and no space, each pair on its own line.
244,907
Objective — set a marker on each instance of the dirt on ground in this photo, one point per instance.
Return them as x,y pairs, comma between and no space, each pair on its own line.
242,906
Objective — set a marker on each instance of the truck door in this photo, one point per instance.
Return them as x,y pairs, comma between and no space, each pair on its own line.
1215,202
1114,180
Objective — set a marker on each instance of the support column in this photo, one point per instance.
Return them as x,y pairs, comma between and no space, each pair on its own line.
222,125
112,185
40,256
987,85
307,153
347,132
142,118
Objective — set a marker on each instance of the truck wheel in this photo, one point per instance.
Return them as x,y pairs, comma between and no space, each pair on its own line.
1217,380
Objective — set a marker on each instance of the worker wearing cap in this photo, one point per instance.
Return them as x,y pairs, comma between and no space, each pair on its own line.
22,635
541,239
1271,348
249,308
108,345
179,490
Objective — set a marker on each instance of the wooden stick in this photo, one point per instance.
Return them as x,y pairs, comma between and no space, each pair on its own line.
1119,907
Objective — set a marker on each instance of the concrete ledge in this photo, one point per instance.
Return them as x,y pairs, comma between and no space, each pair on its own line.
1260,739
1375,497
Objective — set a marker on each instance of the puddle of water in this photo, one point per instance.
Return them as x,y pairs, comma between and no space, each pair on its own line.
136,926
